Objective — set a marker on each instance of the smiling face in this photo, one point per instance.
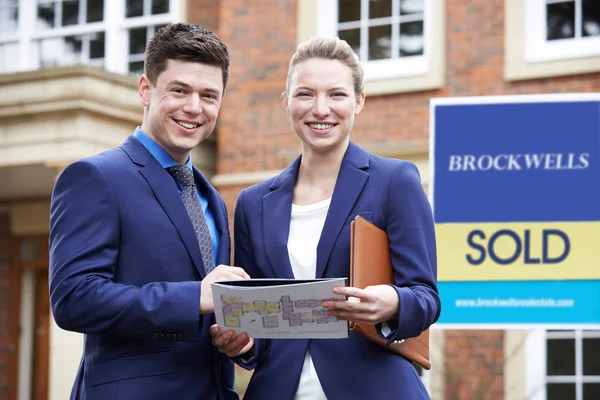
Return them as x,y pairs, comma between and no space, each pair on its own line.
322,104
181,109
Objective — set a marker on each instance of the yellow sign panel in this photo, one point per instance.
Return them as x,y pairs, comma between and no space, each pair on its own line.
518,251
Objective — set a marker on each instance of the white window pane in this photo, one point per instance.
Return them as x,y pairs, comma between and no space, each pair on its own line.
411,6
72,50
70,12
591,390
590,25
560,391
160,6
380,42
97,46
95,10
380,8
97,63
9,18
349,10
411,39
591,361
137,40
134,8
136,68
50,52
45,15
560,20
9,56
352,36
60,51
560,357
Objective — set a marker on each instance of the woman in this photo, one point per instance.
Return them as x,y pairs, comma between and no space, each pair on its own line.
297,225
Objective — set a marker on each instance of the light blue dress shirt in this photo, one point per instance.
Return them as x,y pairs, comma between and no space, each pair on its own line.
167,161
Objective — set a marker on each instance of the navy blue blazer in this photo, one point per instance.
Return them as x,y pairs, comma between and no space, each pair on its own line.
125,270
387,192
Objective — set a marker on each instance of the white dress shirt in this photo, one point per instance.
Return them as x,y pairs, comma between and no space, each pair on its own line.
305,231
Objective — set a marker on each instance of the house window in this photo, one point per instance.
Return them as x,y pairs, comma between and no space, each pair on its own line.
138,8
9,52
55,14
400,43
68,32
9,16
562,29
72,49
9,22
389,36
106,33
564,365
138,37
143,19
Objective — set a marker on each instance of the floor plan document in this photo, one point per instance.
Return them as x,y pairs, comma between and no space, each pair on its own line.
278,308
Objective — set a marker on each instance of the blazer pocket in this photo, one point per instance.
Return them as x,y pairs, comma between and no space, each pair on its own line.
368,215
135,365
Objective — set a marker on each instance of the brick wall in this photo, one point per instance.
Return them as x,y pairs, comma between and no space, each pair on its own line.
204,13
5,298
254,132
474,362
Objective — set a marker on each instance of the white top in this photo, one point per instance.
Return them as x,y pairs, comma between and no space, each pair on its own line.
305,231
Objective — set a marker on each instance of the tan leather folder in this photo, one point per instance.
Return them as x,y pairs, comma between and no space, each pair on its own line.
370,265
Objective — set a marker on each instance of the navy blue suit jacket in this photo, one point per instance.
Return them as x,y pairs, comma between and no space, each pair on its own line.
387,192
125,270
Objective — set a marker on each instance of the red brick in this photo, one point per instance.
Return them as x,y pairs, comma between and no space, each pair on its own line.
5,307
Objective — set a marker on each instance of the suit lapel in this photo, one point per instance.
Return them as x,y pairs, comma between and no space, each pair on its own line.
277,211
165,190
349,185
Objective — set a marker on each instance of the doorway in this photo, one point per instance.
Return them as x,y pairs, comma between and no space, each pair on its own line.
30,324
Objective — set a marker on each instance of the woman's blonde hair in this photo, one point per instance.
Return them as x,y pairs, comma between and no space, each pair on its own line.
328,48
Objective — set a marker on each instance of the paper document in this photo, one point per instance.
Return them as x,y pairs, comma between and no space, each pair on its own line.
278,308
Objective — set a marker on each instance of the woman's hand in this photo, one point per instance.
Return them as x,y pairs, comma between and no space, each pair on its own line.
229,343
371,305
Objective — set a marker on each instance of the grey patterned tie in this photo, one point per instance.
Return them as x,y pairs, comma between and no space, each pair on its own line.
189,195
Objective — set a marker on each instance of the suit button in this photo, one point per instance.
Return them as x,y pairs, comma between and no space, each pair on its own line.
155,336
179,336
162,336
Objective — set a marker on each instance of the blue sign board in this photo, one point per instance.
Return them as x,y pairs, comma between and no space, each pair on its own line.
515,190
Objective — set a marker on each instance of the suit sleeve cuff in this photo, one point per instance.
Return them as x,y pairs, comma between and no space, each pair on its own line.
389,329
249,360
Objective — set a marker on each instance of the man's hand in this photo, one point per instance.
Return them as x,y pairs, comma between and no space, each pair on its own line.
221,273
371,305
230,344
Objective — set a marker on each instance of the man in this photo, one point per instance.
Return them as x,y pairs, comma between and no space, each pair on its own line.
136,232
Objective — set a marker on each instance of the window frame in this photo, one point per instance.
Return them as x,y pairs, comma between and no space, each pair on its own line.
516,66
317,17
538,49
380,69
536,361
388,68
10,7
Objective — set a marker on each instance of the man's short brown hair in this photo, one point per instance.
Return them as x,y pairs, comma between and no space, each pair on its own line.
186,42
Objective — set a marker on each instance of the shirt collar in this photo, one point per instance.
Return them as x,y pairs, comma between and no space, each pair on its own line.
157,151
